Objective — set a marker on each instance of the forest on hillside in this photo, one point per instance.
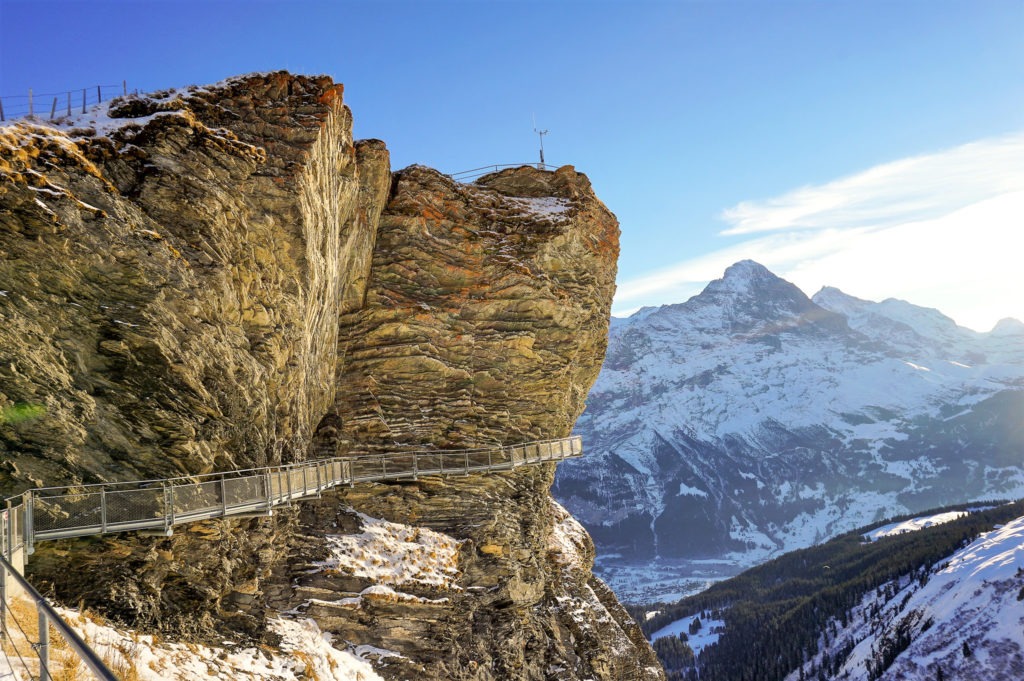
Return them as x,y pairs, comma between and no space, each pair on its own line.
775,613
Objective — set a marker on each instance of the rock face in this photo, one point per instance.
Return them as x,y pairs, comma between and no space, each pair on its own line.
221,277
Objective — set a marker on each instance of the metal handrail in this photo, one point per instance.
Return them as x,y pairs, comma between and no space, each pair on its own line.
49,616
464,175
104,508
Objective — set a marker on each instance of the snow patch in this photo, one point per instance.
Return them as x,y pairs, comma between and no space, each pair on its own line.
913,525
392,553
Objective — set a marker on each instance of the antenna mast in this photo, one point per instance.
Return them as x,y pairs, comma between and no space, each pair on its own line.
540,134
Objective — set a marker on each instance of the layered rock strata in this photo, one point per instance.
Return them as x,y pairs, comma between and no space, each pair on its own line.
221,277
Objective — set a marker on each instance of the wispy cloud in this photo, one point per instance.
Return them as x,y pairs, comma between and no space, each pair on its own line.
910,189
944,230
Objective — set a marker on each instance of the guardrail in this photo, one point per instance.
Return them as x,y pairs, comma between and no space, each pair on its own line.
469,175
46,617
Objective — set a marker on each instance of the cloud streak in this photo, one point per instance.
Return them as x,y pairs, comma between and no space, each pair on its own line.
911,189
944,230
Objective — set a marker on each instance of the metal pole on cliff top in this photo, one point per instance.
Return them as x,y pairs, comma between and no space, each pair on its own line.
540,133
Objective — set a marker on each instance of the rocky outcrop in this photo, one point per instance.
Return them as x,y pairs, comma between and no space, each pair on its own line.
486,315
221,277
172,290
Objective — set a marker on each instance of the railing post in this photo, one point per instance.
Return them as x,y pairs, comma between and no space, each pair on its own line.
9,554
44,645
288,476
29,529
9,532
305,483
168,506
318,487
223,496
103,510
268,486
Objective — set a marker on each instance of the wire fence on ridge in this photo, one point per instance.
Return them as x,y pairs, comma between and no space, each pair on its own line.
52,105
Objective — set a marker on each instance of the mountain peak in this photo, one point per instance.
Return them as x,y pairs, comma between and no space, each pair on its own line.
1008,326
831,298
747,273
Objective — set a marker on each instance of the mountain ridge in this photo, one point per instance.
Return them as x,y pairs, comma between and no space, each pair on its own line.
751,419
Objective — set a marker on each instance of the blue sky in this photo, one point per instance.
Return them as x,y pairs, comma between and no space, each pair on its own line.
815,137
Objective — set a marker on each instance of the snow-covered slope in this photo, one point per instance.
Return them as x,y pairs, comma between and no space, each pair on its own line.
963,620
751,420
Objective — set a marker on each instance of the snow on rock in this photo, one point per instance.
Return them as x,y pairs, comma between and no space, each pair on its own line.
568,542
305,652
548,207
395,554
913,524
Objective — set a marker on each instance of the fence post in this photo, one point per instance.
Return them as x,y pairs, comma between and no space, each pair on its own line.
53,109
99,94
2,110
30,101
124,87
69,103
44,645
83,100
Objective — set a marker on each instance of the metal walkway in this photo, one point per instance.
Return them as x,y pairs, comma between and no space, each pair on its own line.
156,506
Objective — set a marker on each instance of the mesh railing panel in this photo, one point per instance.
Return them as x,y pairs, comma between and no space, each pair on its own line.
66,511
128,505
277,485
245,490
200,496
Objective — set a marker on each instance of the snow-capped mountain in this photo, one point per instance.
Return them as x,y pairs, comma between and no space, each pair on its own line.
751,420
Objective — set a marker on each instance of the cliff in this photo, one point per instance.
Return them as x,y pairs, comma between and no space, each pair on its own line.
220,278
